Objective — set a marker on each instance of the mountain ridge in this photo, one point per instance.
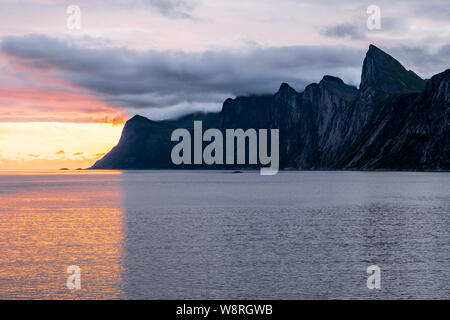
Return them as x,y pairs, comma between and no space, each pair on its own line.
394,121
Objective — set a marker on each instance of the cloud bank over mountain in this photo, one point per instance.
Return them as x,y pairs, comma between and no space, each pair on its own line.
168,57
157,79
189,81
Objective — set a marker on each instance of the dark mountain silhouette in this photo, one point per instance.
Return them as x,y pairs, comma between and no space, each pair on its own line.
396,121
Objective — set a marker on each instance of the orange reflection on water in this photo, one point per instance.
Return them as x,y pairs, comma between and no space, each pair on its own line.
49,222
57,172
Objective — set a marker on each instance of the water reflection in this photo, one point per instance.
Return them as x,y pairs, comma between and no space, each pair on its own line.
51,220
213,235
296,235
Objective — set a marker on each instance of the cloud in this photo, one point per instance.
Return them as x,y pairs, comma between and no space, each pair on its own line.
181,82
420,59
431,9
156,79
358,30
38,100
345,30
173,8
33,155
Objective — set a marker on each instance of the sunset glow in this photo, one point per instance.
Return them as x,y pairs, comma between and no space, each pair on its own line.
65,93
54,145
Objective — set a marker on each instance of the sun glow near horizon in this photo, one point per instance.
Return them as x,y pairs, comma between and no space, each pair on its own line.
54,145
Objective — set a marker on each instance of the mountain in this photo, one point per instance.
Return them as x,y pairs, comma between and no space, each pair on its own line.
385,73
395,121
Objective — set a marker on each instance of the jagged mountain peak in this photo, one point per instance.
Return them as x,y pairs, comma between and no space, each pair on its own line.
138,118
330,125
285,87
338,86
439,87
374,49
382,72
138,121
328,78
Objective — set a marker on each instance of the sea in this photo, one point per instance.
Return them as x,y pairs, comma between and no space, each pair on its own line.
224,235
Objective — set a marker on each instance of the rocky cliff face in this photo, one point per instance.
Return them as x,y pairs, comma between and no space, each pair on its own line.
395,120
385,74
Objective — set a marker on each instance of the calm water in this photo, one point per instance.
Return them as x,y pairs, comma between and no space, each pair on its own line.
218,235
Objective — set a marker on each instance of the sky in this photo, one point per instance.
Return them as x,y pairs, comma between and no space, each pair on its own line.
65,92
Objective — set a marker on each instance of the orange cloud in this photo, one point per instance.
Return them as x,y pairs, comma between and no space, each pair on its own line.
33,155
35,105
99,155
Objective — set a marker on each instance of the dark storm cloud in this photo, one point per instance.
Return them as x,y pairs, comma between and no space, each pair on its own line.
137,79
